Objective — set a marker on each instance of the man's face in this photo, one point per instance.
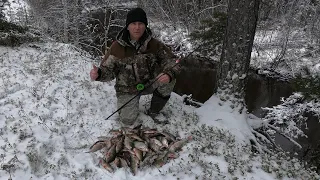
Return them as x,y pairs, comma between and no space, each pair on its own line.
136,30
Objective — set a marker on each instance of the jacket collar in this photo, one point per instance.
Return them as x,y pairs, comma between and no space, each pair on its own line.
124,40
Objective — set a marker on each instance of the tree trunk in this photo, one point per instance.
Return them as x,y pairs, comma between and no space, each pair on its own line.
65,21
237,47
26,15
77,21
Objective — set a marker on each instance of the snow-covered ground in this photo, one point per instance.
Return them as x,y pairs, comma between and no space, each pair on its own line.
51,113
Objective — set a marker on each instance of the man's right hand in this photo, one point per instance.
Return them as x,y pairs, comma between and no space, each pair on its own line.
94,73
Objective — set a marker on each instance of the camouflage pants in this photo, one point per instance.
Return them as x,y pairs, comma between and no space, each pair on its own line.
129,113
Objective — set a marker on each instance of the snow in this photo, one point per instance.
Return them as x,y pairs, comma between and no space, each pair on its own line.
243,76
172,36
288,116
235,76
225,117
51,113
15,6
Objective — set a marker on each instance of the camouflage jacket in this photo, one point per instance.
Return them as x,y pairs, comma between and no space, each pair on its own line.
131,64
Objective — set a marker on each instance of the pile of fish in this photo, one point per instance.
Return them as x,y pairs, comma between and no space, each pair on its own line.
137,147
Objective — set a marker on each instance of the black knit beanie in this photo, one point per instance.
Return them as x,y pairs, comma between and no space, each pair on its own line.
135,15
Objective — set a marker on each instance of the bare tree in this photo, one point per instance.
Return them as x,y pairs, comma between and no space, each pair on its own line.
65,20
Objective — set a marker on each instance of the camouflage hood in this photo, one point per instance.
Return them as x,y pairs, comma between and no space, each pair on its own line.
124,40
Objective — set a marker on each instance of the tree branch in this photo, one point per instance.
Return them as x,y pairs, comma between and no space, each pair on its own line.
287,137
210,8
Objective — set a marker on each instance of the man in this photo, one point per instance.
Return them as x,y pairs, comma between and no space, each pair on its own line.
136,59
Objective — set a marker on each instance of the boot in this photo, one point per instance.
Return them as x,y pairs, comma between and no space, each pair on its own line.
157,103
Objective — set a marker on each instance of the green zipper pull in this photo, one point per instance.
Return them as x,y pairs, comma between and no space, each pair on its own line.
140,87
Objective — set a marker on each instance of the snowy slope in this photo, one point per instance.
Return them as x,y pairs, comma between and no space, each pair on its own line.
51,113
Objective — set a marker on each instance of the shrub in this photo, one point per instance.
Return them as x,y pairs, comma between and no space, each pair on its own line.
6,26
308,85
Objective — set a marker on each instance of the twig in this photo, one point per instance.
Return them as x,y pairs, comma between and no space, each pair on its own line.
270,139
188,101
255,144
261,136
44,123
213,7
92,47
7,141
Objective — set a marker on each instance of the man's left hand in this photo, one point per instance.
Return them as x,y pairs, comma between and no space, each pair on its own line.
163,78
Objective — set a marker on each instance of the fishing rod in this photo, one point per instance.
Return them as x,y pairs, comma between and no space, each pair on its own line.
141,87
